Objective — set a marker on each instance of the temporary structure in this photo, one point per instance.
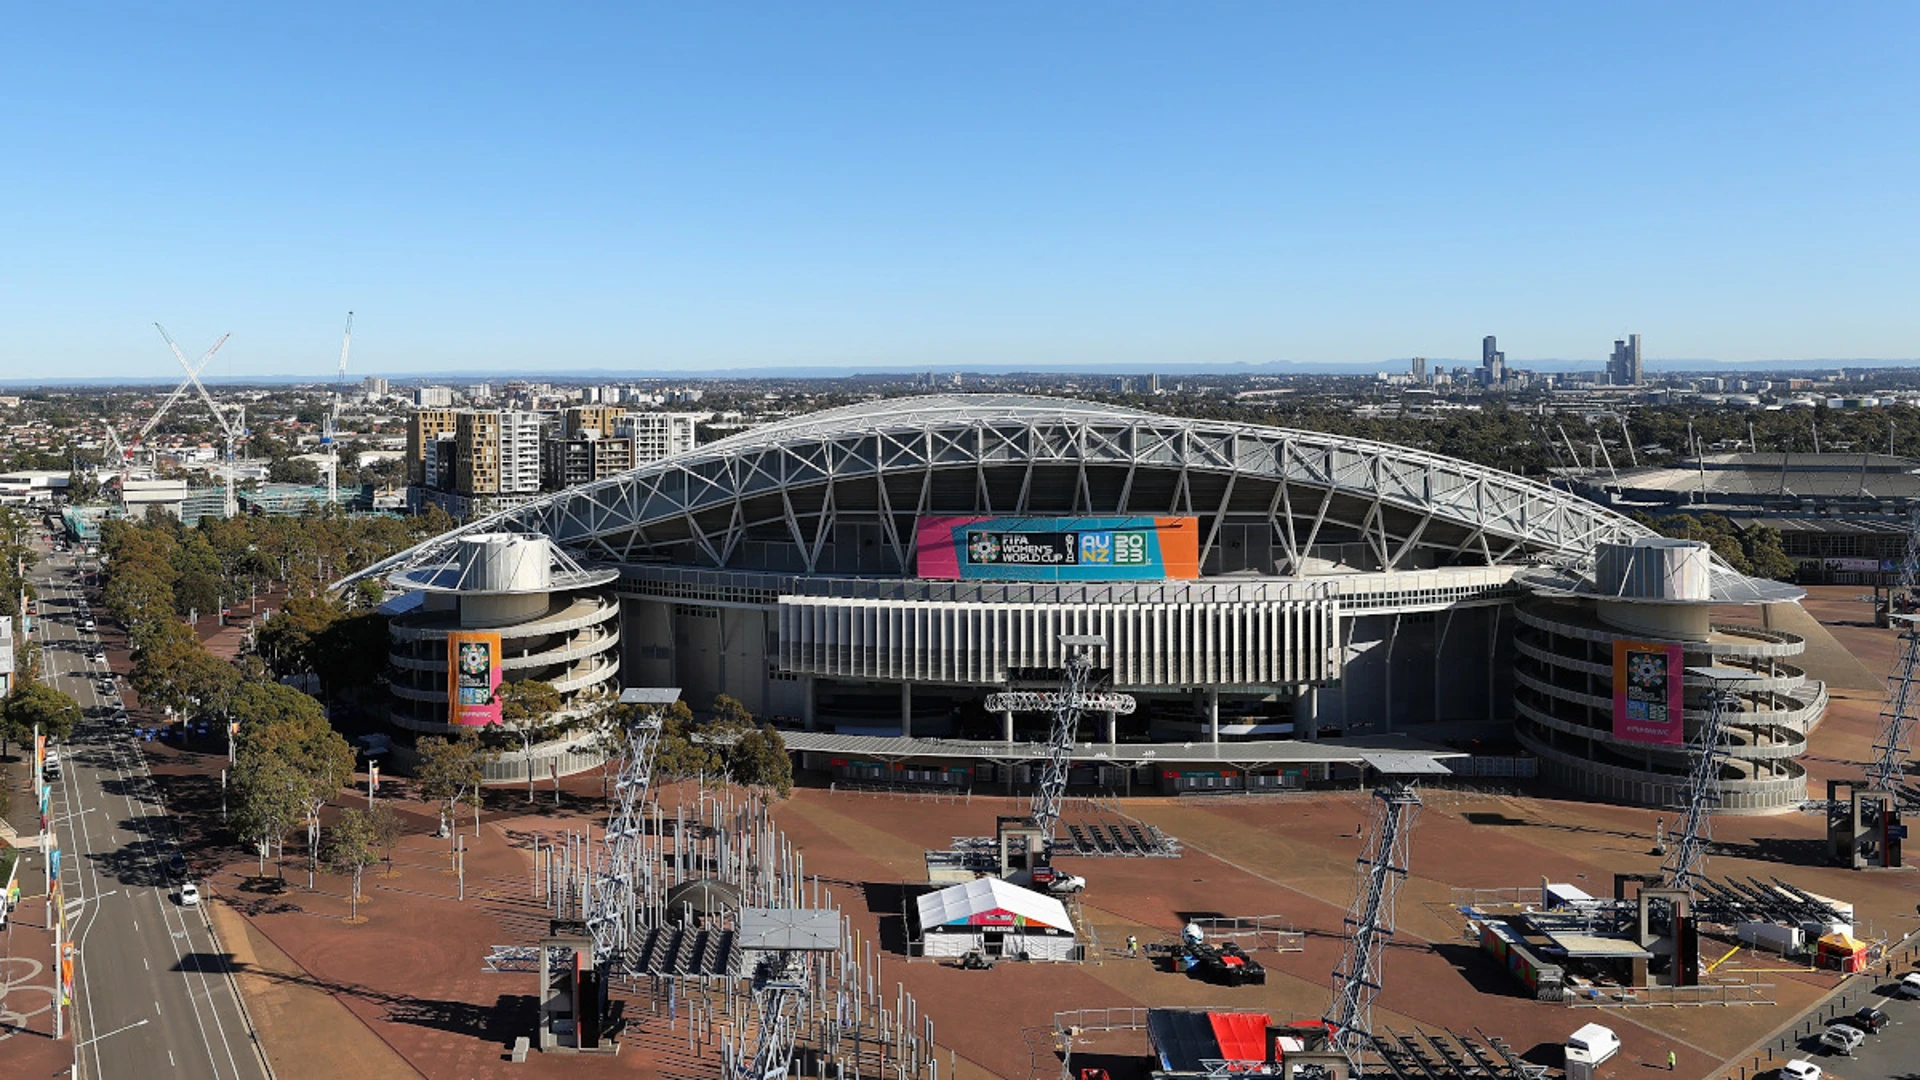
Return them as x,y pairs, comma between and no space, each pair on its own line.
996,917
1843,952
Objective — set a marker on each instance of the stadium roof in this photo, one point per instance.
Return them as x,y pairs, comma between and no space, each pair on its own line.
1005,454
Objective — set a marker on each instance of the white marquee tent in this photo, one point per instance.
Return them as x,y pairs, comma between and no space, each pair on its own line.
996,917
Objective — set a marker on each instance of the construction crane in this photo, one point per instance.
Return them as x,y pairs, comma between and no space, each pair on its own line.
331,428
124,451
1686,865
231,505
1066,704
1380,870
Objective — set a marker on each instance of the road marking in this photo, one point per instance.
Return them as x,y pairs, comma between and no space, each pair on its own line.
156,1008
170,1060
144,964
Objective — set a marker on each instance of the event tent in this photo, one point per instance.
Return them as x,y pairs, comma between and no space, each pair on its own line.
996,917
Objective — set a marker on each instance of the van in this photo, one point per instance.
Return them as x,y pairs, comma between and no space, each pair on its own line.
1588,1048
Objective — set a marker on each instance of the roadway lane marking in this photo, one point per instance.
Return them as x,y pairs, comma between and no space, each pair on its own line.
144,964
156,1008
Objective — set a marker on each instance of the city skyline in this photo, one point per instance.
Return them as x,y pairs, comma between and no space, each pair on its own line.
868,189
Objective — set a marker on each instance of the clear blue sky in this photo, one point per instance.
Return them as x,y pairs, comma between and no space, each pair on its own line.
639,186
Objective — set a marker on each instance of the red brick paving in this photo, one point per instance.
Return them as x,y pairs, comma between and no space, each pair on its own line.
411,973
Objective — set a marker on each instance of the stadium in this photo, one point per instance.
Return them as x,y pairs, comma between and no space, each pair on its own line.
1277,602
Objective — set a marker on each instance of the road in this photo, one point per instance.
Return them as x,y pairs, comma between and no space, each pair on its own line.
1893,1054
152,996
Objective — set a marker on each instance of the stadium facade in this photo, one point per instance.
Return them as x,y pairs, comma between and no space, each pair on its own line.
1273,599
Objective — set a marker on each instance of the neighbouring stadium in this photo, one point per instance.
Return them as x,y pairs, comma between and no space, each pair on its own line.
1276,602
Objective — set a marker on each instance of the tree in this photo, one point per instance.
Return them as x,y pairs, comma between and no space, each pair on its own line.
677,755
268,800
388,828
350,850
349,652
451,772
172,669
1766,556
288,641
33,703
758,759
282,725
526,707
729,712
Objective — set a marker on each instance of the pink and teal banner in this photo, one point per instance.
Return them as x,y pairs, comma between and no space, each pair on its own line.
1648,704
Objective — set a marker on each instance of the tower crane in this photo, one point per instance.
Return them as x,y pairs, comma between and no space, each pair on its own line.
124,451
329,432
232,506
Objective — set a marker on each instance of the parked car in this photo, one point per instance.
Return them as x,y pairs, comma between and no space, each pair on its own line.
189,895
1799,1069
1842,1039
1868,1019
1910,985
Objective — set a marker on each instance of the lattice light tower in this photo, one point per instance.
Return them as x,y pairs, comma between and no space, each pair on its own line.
1888,770
621,874
1687,863
1380,870
1066,704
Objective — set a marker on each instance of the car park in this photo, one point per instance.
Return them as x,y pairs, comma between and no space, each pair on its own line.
1799,1069
1842,1039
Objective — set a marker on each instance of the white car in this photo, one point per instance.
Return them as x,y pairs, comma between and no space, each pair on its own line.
189,895
1799,1070
1910,985
1842,1039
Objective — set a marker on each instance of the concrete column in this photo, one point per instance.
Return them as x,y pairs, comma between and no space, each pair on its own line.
906,709
1006,723
1113,727
806,702
1213,715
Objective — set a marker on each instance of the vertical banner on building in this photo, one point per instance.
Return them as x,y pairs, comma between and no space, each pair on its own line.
1647,693
39,759
473,674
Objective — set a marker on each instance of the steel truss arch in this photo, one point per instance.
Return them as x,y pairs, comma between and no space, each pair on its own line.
881,461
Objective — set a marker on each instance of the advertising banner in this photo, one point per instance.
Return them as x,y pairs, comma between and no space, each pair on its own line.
1057,549
1647,700
473,674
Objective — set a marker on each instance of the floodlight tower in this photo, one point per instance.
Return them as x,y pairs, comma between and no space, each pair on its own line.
330,430
1687,863
621,872
1066,704
1888,770
1380,870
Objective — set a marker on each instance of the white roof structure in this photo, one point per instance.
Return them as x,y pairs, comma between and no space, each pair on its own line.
1022,455
975,902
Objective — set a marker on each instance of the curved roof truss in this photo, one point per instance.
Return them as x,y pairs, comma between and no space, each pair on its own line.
886,461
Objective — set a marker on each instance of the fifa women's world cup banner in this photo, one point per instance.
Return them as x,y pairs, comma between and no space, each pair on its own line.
473,675
1648,706
1057,549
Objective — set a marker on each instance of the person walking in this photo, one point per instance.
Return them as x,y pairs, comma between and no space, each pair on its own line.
1670,1060
1133,945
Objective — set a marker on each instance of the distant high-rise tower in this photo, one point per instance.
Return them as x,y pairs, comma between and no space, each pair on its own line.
1493,362
1624,366
1419,366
